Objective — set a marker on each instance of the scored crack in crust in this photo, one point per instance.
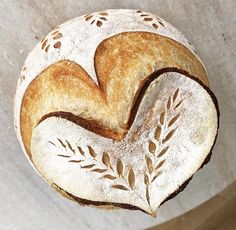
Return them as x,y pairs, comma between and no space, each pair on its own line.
123,64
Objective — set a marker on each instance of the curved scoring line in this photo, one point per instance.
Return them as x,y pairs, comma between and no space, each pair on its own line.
95,127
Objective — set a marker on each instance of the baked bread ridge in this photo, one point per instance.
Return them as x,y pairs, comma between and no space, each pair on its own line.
105,96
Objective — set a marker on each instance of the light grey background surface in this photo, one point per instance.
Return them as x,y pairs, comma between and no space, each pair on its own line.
26,201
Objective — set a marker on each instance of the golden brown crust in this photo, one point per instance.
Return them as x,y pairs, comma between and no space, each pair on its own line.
123,63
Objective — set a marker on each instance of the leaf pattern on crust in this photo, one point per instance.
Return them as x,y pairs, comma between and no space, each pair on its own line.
119,167
101,166
119,186
131,178
162,134
121,177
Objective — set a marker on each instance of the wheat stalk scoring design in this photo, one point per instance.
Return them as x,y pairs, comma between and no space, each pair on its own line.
155,158
89,160
159,147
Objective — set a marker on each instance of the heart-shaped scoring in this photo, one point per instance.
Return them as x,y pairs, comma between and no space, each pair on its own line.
123,64
134,139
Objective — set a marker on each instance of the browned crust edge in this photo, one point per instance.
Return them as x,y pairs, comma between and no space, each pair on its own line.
89,124
135,107
95,127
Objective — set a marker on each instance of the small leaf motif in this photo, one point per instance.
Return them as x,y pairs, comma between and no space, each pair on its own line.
88,166
162,118
175,95
75,161
147,195
70,147
147,183
61,155
157,133
157,175
160,164
131,178
163,151
108,176
61,142
119,168
173,120
52,143
168,103
106,159
168,136
149,164
179,103
99,170
99,23
146,179
152,147
119,186
92,152
80,150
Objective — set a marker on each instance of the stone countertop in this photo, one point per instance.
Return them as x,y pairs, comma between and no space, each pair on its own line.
26,201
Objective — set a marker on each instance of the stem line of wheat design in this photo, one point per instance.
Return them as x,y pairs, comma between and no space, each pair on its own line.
164,131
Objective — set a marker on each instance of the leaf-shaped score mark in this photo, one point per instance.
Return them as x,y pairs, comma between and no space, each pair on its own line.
61,155
157,133
156,175
119,168
179,103
146,182
119,186
92,152
88,166
131,178
162,118
70,147
160,164
80,150
149,164
146,179
75,161
163,151
168,136
109,176
152,147
99,170
61,142
106,160
175,95
173,120
168,103
52,143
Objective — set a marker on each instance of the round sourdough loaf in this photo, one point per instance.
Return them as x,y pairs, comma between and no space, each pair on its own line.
113,109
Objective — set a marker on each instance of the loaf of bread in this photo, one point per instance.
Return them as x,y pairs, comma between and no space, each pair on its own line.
113,109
